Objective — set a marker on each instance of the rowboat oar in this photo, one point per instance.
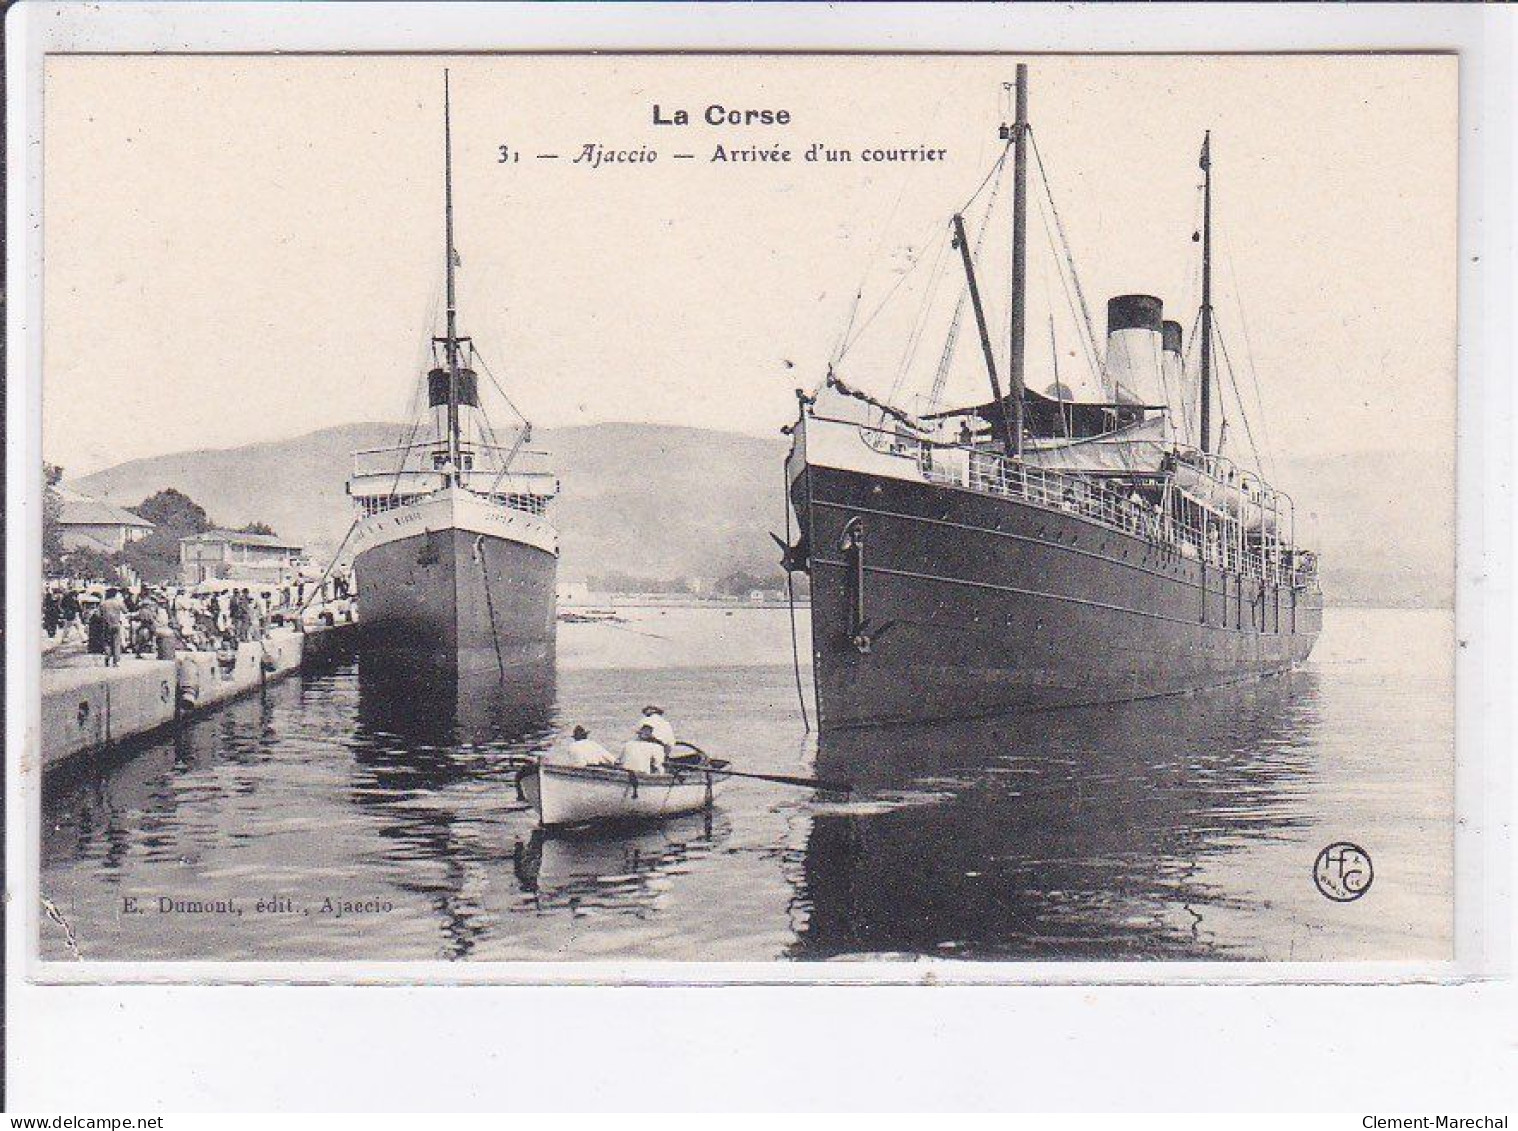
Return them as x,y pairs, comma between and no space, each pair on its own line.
780,779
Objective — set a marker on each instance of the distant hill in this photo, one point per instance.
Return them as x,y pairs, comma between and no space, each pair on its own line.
637,499
1383,523
658,501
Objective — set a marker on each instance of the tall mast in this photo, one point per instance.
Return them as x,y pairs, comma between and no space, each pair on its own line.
1019,255
1206,398
451,258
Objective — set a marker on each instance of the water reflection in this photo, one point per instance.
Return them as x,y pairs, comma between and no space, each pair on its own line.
1070,834
137,798
614,869
435,760
1180,828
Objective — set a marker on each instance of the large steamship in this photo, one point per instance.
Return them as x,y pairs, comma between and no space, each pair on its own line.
454,554
1039,549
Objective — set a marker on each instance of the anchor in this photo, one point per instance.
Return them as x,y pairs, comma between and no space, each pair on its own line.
862,633
793,559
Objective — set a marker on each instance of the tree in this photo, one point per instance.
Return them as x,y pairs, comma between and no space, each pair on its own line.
258,528
740,583
52,513
85,564
174,513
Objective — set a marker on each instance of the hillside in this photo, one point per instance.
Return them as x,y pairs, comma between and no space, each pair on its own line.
657,502
685,502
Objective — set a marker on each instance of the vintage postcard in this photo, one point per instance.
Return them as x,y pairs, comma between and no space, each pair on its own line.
932,511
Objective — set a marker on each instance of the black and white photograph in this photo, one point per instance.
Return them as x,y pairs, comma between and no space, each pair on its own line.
941,511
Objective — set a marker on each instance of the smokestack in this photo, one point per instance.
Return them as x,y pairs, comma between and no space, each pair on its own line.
1134,338
1170,332
1173,369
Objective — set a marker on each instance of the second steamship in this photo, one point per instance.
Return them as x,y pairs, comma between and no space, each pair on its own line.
1038,549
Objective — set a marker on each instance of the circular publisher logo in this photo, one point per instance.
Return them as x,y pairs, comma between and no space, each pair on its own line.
1343,872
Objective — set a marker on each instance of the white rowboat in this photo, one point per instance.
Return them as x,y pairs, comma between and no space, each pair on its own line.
574,795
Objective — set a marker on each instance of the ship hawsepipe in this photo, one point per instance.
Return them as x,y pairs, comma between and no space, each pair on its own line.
946,585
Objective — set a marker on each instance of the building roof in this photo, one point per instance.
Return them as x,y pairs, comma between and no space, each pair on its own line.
238,538
81,510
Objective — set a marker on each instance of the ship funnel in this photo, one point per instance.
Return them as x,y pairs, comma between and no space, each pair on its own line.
1170,333
1133,348
1178,397
437,388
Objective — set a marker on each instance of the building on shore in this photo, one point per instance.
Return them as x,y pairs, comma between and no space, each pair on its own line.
92,524
234,556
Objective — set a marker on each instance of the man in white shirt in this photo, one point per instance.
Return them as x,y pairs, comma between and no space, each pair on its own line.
644,754
664,734
583,751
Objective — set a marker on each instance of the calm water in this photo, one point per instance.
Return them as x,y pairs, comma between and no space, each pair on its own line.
1184,828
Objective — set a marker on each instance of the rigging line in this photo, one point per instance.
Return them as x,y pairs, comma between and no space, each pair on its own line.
946,358
482,423
1234,383
1059,224
837,353
1065,420
400,468
507,462
993,171
485,365
1075,315
941,376
1254,373
1188,366
316,590
995,168
890,219
415,407
900,279
920,323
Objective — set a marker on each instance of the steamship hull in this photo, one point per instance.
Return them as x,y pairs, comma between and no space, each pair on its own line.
457,585
932,602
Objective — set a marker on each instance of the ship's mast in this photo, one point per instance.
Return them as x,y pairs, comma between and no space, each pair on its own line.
1019,255
451,258
1206,397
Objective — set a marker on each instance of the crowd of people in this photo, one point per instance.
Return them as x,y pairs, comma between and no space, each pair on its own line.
113,620
647,752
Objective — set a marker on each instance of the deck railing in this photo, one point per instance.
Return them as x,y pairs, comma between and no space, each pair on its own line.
422,459
994,473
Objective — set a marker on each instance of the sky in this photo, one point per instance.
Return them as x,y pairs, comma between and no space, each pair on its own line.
243,249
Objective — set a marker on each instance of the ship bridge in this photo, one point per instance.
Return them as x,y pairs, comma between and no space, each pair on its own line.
516,477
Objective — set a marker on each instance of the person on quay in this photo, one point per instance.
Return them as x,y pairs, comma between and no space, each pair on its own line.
69,610
643,754
144,625
113,617
51,612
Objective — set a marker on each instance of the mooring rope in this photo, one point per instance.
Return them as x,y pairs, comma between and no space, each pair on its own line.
495,637
316,591
790,596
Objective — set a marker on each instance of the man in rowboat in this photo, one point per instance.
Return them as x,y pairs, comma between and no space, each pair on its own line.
644,754
664,734
583,751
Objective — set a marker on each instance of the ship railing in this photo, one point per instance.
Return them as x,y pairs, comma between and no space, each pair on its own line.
994,473
432,456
